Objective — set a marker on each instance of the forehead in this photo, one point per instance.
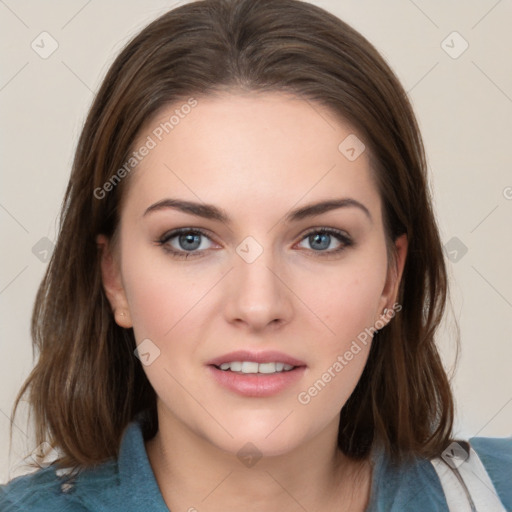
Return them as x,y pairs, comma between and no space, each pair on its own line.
253,150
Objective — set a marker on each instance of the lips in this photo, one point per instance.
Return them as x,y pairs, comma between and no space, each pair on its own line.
256,384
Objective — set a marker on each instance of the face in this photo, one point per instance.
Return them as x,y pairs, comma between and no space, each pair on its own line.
245,271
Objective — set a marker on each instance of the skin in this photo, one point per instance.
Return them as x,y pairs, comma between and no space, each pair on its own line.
256,156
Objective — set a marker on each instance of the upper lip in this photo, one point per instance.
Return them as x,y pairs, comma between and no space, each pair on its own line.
267,356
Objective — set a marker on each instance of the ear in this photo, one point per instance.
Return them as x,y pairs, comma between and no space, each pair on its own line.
112,282
393,278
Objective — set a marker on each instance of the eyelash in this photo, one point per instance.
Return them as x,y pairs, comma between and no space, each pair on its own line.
341,236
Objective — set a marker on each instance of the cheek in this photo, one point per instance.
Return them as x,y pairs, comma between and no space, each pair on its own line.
153,308
157,298
351,300
341,352
167,301
351,305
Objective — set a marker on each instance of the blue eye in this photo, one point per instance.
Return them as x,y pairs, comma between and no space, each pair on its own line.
184,242
321,239
190,241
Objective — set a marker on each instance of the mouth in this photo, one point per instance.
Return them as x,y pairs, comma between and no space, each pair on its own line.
256,374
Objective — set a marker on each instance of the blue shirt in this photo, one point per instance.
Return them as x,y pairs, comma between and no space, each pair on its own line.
128,484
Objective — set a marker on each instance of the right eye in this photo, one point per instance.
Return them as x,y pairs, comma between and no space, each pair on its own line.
185,242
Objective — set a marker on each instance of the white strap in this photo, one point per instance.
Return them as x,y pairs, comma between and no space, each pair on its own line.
466,484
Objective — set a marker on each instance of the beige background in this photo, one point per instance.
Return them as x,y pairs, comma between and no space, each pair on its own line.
464,106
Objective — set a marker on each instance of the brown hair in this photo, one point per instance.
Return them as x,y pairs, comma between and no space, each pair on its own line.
87,384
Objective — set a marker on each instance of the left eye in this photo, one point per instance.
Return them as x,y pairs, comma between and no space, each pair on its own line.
321,239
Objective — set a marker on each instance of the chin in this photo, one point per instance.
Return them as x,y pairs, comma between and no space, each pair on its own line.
265,439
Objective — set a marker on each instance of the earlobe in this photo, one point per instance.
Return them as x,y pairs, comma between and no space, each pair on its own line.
112,282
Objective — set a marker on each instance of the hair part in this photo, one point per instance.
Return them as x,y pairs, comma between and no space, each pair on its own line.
87,385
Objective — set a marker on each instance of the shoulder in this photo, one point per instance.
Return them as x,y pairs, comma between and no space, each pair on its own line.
415,485
411,485
125,483
496,456
57,490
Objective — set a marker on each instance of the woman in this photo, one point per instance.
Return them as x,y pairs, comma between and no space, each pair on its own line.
241,308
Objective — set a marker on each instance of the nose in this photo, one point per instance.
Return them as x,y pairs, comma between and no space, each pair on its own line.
258,294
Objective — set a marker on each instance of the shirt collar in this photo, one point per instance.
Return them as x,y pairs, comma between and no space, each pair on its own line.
138,482
125,484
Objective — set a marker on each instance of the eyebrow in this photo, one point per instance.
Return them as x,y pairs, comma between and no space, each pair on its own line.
209,211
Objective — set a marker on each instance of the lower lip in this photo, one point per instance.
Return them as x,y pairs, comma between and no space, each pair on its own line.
256,384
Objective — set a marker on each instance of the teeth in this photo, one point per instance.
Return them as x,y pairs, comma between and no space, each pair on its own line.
266,367
252,367
248,367
236,366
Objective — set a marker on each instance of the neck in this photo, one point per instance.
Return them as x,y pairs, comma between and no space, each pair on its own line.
193,473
